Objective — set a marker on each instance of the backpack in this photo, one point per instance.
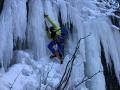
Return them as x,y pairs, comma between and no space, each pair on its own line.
64,33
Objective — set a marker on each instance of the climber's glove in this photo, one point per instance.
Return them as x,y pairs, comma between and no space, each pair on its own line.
45,15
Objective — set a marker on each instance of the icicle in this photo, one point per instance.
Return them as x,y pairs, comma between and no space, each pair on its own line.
105,35
93,64
6,35
117,40
36,29
19,20
63,11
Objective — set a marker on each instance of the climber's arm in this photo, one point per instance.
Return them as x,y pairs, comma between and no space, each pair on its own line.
53,23
57,28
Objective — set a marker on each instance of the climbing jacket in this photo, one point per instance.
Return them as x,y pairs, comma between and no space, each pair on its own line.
60,34
56,28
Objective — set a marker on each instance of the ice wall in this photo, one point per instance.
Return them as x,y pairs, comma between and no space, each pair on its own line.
6,37
13,24
19,22
85,18
36,33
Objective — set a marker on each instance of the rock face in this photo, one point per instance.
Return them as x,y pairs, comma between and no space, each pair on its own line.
115,19
110,78
118,1
1,5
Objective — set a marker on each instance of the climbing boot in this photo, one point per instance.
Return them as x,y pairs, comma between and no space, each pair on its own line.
61,61
56,54
59,57
52,56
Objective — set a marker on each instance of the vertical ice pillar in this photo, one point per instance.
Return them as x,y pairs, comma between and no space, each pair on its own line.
77,33
63,11
93,61
19,13
51,10
6,37
36,29
106,36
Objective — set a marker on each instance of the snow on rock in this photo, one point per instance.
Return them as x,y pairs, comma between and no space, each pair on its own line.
46,74
15,79
24,75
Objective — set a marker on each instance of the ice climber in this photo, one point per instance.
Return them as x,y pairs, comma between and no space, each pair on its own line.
58,36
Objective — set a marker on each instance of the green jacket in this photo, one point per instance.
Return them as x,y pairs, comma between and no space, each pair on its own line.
56,28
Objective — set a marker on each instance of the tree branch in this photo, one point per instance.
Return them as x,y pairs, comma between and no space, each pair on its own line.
67,74
15,79
85,80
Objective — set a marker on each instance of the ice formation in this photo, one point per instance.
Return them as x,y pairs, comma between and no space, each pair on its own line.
27,29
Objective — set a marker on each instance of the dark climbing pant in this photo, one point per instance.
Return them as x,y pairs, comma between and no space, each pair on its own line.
60,47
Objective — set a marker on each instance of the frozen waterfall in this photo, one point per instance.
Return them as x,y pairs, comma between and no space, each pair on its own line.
24,25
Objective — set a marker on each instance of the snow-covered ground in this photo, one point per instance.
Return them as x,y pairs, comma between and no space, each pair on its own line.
28,74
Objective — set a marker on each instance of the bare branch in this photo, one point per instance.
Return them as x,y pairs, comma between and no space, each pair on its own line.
85,80
49,72
66,76
15,79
